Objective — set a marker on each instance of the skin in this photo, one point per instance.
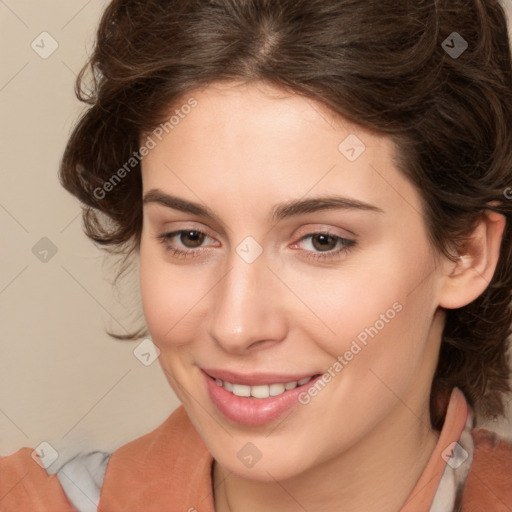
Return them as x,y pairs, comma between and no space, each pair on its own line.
240,152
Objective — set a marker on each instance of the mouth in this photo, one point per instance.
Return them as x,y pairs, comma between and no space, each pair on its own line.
262,390
256,399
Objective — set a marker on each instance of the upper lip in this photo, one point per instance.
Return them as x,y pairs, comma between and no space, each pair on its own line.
254,379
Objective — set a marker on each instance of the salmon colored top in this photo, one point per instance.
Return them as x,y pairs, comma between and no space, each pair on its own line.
169,470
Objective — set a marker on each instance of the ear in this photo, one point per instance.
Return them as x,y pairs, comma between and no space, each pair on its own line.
471,274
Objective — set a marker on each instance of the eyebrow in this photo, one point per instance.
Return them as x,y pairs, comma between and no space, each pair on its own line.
281,211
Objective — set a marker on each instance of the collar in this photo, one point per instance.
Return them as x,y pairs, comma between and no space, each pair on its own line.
440,486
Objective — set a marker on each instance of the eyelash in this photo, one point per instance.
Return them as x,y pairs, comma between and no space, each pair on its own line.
346,245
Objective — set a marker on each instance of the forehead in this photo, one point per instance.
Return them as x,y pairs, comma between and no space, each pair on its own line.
259,144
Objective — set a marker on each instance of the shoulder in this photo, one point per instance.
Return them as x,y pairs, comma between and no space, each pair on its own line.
25,485
170,464
74,479
163,445
59,474
489,483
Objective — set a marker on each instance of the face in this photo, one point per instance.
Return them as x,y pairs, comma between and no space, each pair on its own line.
275,249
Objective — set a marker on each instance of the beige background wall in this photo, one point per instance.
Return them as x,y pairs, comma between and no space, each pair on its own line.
61,376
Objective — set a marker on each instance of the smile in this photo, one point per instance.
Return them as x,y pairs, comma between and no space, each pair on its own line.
261,391
255,399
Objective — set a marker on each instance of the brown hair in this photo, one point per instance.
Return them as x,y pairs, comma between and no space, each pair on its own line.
388,65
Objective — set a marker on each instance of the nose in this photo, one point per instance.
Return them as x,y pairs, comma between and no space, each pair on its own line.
248,309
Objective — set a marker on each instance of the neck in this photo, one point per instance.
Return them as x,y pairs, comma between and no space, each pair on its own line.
377,474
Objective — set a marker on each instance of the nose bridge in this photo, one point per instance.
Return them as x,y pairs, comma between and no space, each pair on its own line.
246,305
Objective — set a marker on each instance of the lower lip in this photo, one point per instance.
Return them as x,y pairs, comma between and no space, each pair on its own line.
254,411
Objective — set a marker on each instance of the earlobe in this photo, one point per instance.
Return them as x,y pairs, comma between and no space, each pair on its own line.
470,275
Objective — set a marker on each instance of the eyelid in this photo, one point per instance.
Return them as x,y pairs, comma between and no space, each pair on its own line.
175,233
178,226
323,228
162,217
346,242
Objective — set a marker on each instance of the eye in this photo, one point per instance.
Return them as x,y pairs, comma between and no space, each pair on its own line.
184,242
325,245
319,245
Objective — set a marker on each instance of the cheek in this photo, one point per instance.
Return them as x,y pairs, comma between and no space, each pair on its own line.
379,300
168,293
398,321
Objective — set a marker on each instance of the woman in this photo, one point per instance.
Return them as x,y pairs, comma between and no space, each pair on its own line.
316,194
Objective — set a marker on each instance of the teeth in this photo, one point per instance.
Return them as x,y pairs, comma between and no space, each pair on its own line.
261,391
241,390
276,389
